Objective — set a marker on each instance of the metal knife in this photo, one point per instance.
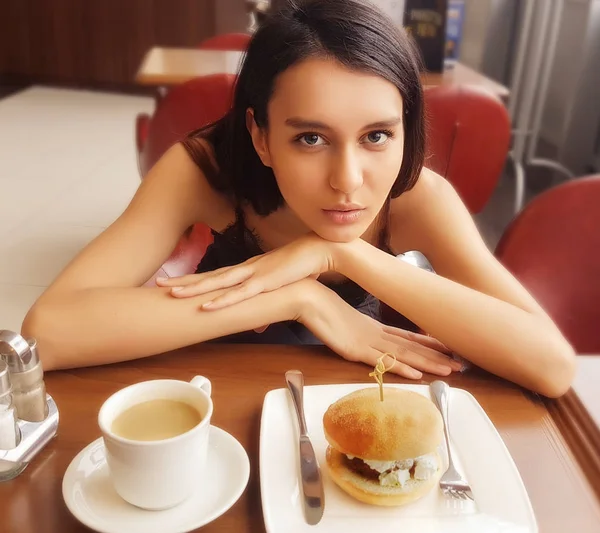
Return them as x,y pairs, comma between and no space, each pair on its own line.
310,474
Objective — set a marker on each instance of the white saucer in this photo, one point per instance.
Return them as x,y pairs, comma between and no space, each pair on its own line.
91,498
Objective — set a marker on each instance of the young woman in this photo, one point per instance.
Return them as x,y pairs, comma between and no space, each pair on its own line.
312,184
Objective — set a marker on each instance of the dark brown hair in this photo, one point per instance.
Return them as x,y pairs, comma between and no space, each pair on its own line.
357,35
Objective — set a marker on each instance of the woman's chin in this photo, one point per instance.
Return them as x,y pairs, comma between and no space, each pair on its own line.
339,229
340,234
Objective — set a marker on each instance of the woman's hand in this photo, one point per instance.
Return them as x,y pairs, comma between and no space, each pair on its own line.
305,257
358,337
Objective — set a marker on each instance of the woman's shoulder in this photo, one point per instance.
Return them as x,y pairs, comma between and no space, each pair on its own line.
424,209
428,185
179,168
429,194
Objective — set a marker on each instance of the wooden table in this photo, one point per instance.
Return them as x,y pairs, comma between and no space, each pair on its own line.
587,385
172,66
463,75
561,496
578,412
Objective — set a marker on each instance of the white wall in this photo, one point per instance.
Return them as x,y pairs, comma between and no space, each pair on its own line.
571,115
488,37
394,8
475,29
578,104
567,70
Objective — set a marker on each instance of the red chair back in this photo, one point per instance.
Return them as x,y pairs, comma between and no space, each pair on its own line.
468,138
237,42
185,108
553,248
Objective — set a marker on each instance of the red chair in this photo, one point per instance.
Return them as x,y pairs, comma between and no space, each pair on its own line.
468,138
185,108
553,248
227,41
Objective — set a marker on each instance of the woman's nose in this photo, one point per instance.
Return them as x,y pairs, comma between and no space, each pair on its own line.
346,174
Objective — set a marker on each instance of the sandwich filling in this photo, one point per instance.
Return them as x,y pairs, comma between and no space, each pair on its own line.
395,473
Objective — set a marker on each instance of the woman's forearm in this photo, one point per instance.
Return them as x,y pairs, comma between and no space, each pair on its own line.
107,325
495,335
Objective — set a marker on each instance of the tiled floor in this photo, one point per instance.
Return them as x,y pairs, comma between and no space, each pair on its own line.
68,169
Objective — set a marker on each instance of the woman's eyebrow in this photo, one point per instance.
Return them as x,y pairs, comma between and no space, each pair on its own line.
307,124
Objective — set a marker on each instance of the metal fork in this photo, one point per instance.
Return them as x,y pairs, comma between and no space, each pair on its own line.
452,483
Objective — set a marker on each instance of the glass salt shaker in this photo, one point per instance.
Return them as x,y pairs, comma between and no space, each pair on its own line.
29,389
9,431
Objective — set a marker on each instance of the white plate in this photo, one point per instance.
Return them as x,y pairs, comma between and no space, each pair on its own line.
502,504
90,497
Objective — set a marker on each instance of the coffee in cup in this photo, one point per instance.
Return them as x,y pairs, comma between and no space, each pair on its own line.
156,440
156,420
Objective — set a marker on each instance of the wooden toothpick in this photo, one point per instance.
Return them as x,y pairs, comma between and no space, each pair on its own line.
380,370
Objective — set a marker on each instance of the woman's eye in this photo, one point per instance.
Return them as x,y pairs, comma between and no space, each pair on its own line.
378,137
311,139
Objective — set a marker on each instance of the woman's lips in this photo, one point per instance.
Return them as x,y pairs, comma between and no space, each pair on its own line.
338,216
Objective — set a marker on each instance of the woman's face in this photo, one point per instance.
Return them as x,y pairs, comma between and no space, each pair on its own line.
335,143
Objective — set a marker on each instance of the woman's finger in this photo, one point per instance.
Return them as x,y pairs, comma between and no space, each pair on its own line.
417,347
431,364
229,278
417,356
424,340
234,296
402,369
371,356
189,279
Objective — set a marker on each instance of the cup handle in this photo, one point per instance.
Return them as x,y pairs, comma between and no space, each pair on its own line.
203,383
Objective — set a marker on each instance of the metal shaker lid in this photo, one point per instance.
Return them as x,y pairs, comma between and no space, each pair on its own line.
20,355
5,384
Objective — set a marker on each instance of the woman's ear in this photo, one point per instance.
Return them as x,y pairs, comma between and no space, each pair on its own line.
259,138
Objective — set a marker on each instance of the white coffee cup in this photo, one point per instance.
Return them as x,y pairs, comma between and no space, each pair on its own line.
157,474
